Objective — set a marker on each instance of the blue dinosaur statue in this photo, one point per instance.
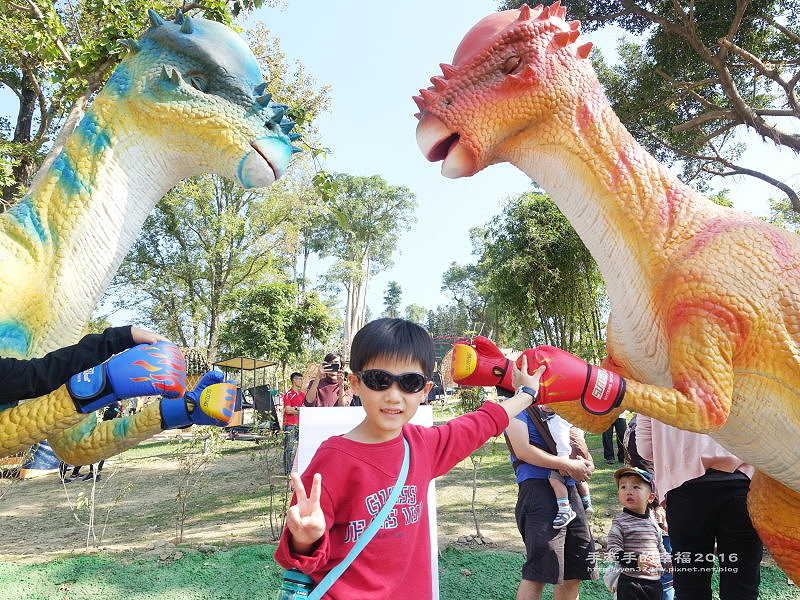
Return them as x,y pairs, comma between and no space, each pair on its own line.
189,98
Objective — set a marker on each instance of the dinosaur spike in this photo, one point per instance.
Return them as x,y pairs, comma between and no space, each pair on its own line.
554,7
524,12
187,26
261,88
561,38
562,13
131,46
427,95
176,77
165,75
448,70
536,11
278,114
583,51
294,136
574,35
574,25
155,18
286,126
264,100
439,83
178,18
419,102
418,116
295,149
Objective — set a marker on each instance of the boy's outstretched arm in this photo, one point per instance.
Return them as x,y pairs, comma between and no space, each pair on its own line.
305,519
519,377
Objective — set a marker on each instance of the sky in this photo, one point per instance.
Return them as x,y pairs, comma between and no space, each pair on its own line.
376,56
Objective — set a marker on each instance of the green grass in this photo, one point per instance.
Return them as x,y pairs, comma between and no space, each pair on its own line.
249,572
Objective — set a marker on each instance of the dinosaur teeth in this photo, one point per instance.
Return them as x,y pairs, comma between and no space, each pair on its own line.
155,18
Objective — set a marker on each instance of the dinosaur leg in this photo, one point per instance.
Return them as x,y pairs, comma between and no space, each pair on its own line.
89,441
34,421
775,512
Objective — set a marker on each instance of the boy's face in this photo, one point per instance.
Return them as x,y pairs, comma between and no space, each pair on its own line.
634,493
390,409
297,382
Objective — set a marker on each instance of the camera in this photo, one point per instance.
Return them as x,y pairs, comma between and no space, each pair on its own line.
334,367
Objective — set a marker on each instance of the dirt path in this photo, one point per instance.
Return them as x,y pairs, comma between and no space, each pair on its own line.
136,509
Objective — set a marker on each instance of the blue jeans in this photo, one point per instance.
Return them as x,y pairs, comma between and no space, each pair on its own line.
290,436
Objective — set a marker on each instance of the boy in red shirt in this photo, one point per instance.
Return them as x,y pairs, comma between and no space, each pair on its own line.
351,475
292,400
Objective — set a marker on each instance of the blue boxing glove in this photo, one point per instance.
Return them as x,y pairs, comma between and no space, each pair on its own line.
211,402
145,370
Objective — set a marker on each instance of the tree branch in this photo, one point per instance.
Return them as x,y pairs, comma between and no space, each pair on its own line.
37,13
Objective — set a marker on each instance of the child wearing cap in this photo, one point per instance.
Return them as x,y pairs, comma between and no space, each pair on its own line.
634,541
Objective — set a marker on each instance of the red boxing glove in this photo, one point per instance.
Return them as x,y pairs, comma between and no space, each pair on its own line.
481,363
568,377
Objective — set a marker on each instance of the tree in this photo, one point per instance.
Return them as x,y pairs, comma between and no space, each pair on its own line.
704,73
55,57
391,300
465,284
416,313
276,322
536,270
364,219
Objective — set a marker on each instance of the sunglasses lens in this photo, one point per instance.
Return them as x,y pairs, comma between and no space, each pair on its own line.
377,380
411,383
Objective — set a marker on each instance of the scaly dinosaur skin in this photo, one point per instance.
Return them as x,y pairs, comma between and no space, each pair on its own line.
705,318
188,99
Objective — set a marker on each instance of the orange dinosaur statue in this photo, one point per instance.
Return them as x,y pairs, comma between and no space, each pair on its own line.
705,319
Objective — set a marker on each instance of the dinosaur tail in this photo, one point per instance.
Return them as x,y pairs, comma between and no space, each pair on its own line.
775,512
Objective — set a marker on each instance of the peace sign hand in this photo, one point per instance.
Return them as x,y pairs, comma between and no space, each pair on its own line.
305,519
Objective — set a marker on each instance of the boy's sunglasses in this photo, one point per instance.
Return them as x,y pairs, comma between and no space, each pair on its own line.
379,380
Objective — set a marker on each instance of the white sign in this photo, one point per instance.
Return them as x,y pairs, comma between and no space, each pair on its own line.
320,423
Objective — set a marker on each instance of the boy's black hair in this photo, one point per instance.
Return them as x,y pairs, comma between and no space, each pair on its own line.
295,374
392,338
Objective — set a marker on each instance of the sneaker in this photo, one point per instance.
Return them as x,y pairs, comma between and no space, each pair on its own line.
563,519
609,461
88,477
588,509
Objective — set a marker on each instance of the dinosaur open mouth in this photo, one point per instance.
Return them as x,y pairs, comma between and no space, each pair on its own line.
266,160
442,149
438,142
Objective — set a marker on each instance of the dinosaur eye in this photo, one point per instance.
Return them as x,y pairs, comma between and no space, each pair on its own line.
512,64
198,82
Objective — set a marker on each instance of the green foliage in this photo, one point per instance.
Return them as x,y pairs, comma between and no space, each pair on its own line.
470,399
391,300
274,321
536,275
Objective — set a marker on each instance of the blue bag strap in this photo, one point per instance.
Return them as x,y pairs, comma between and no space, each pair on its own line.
369,533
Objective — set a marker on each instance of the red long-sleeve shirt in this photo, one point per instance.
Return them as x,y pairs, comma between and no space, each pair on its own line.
356,480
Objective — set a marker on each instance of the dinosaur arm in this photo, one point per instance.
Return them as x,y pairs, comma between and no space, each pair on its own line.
26,424
89,441
701,364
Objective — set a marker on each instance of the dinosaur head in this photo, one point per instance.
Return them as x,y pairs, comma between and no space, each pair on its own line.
514,70
196,86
